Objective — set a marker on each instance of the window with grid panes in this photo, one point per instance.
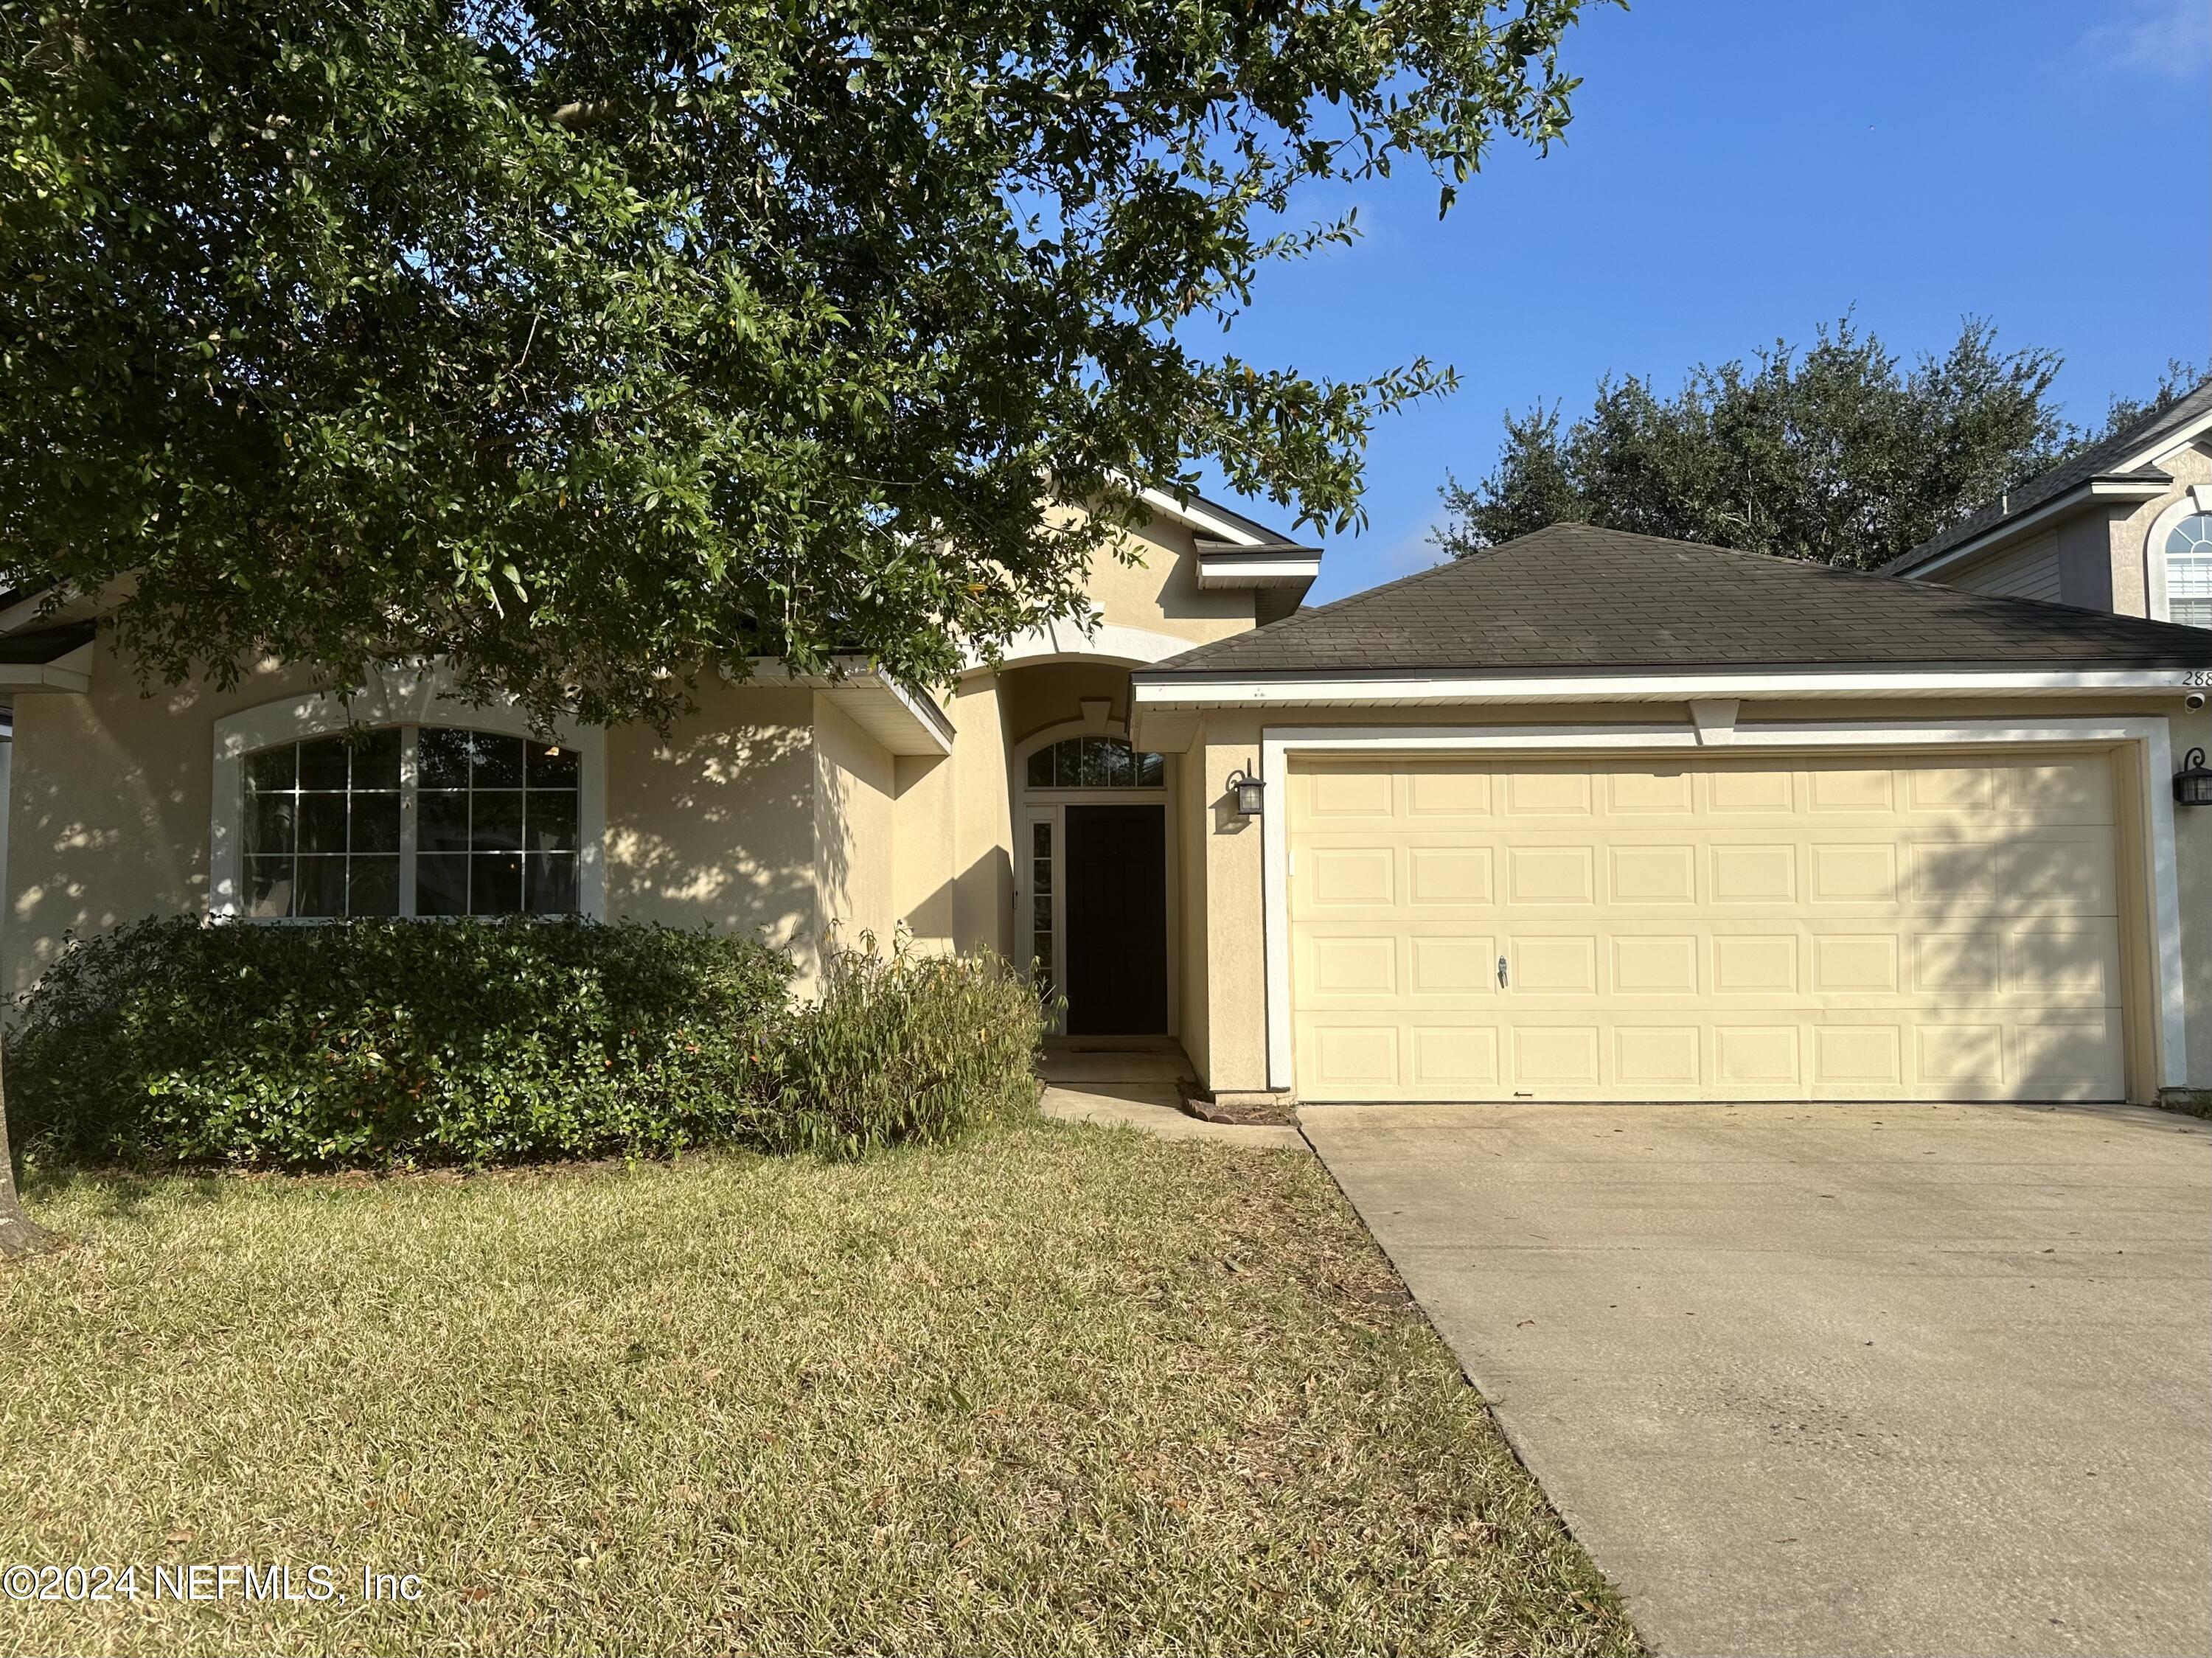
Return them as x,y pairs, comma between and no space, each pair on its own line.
492,820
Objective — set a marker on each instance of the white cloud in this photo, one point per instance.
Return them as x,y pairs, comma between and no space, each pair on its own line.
2169,38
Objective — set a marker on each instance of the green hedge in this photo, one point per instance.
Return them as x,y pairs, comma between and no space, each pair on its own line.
372,1043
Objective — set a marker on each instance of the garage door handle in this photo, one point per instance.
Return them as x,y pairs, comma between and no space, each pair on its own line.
1504,979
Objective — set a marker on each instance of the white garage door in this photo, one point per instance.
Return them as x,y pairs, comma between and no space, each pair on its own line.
1727,929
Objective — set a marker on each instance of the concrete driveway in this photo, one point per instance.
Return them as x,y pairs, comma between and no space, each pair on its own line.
1837,1379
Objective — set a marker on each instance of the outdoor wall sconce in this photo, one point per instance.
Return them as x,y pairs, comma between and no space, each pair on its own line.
2192,784
1248,789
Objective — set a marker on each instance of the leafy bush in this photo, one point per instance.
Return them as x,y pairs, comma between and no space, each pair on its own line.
372,1042
908,1048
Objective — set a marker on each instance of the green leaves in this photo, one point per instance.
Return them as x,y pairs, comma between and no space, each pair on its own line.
676,329
1837,454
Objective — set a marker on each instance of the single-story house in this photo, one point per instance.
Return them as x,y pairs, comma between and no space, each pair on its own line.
1589,815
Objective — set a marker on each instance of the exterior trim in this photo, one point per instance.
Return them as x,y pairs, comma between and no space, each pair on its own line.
1067,641
1173,690
2150,734
2085,493
1198,518
896,717
420,699
22,676
1218,571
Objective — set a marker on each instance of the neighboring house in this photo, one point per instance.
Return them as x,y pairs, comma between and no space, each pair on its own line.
1589,815
2125,525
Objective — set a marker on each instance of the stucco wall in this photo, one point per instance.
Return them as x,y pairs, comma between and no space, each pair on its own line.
1193,1016
982,818
855,847
108,810
1160,592
1228,1045
922,889
2127,534
714,824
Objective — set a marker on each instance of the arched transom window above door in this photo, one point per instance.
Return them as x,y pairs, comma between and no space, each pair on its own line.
1092,761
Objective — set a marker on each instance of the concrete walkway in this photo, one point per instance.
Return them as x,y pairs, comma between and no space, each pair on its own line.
1834,1379
1136,1082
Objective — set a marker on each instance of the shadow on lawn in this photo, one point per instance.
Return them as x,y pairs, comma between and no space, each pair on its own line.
118,1194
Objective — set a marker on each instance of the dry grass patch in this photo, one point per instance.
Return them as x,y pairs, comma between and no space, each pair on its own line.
1062,1390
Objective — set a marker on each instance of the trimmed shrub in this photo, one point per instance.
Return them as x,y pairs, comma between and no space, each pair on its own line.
911,1047
376,1042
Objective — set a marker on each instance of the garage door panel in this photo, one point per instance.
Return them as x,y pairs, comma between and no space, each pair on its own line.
1552,1056
1858,1058
1851,789
1957,963
1436,792
1648,1056
1453,1061
1670,793
1759,1061
1731,928
2066,872
1656,874
1855,964
2065,960
1755,963
1354,966
1753,873
1737,791
1445,965
1547,793
1443,878
1357,876
1655,964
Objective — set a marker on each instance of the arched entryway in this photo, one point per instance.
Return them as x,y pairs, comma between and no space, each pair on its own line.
1094,870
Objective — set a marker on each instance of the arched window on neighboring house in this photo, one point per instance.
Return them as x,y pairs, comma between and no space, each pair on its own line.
1095,763
2188,553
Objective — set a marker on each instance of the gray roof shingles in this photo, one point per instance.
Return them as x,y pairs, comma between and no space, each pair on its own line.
1572,598
2098,460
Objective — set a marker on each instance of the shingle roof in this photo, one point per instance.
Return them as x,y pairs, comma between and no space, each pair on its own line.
2098,460
37,645
1571,599
1271,540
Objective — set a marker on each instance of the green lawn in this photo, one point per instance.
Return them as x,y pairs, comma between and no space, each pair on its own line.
1063,1390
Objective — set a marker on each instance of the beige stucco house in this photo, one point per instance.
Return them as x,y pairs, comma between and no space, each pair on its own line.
1590,816
2125,525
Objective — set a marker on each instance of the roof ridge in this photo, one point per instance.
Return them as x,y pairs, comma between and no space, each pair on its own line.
1583,598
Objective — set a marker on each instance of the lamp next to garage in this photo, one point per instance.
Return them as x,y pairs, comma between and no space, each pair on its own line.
2192,784
1248,789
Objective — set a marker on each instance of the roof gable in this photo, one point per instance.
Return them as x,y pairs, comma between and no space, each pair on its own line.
2128,455
1573,598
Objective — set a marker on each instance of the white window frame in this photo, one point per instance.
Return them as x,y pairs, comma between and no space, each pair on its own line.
2157,604
2148,735
392,699
1033,805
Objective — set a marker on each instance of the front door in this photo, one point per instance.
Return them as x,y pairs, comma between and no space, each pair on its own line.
1116,915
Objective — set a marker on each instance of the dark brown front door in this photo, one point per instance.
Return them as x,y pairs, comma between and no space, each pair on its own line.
1117,920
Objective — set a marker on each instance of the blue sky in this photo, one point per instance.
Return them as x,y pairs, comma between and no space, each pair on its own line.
1739,170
